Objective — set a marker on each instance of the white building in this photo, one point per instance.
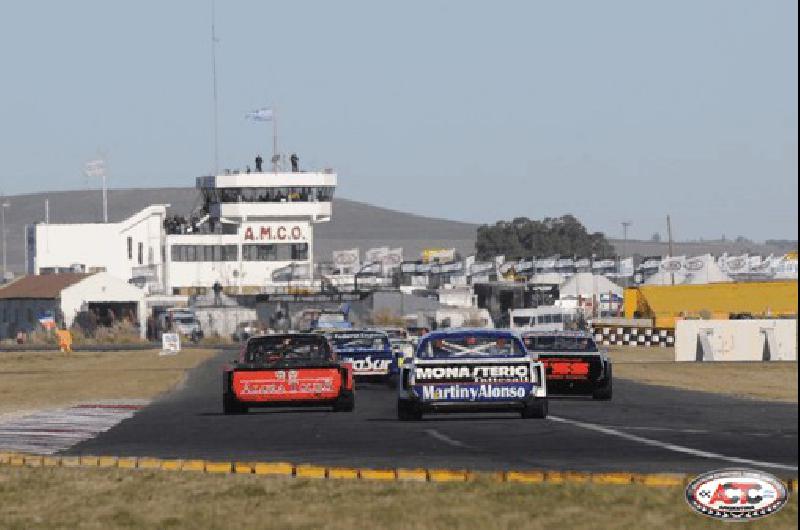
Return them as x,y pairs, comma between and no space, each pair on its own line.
128,249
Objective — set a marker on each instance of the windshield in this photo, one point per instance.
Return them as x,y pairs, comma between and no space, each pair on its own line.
395,334
359,341
471,346
276,348
561,344
186,320
331,317
522,321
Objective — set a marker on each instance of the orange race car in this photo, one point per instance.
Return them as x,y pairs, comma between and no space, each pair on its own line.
294,370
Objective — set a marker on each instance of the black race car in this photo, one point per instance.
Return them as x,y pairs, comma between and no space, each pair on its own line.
573,362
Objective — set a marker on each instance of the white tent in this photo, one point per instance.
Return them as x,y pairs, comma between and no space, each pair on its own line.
588,285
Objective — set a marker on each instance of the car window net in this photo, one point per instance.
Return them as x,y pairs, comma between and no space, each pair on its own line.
271,349
561,344
359,342
470,346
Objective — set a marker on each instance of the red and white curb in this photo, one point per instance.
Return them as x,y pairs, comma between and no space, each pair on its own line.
49,431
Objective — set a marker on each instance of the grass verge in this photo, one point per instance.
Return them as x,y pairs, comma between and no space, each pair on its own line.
37,380
771,381
91,498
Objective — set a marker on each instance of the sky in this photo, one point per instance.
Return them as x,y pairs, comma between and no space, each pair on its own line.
476,111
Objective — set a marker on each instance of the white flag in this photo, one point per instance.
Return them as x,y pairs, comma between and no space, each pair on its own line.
95,168
263,114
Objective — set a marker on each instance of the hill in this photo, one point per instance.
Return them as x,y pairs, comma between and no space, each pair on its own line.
354,224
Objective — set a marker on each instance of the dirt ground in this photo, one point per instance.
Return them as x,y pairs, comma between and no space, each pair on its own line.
772,381
95,498
38,380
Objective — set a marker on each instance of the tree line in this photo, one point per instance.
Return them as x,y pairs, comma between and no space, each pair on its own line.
523,237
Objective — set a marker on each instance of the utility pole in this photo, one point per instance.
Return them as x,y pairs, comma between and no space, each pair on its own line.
3,205
214,42
669,238
625,226
97,168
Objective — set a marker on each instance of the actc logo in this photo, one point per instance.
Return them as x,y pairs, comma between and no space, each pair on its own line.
736,494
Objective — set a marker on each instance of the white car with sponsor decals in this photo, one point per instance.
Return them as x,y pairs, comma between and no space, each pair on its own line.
464,370
402,345
369,352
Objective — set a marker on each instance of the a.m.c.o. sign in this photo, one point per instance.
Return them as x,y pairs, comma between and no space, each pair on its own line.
275,232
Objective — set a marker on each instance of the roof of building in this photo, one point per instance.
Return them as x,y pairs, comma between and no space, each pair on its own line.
44,286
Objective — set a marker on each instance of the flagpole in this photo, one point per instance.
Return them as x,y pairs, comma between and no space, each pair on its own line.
214,79
274,140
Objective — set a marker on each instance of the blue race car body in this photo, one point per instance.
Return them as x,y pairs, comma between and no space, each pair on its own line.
368,351
472,369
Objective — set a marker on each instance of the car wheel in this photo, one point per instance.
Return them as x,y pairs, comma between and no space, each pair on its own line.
407,411
231,405
390,380
605,391
536,409
345,403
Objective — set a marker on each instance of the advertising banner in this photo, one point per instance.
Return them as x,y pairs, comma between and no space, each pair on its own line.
737,264
170,343
473,373
475,392
442,255
545,264
626,267
524,265
280,385
376,255
481,267
392,259
672,263
346,259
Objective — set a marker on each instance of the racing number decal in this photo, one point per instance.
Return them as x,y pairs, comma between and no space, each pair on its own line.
567,369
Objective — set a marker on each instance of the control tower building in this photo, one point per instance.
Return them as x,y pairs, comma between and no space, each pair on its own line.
254,232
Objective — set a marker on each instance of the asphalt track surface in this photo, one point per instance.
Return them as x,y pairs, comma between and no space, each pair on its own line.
644,429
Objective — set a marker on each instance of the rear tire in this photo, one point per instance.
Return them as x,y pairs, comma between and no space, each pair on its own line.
536,409
346,402
391,381
605,391
408,411
231,405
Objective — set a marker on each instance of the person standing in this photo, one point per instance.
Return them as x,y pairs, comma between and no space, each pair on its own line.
217,288
259,161
295,162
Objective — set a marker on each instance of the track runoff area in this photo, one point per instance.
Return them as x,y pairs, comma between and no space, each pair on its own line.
645,431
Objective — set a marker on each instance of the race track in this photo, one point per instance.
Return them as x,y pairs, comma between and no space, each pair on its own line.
644,429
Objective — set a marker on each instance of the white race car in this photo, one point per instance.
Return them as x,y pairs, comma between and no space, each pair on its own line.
478,370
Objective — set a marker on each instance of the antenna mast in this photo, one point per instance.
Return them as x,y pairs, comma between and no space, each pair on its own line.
214,79
669,237
625,226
